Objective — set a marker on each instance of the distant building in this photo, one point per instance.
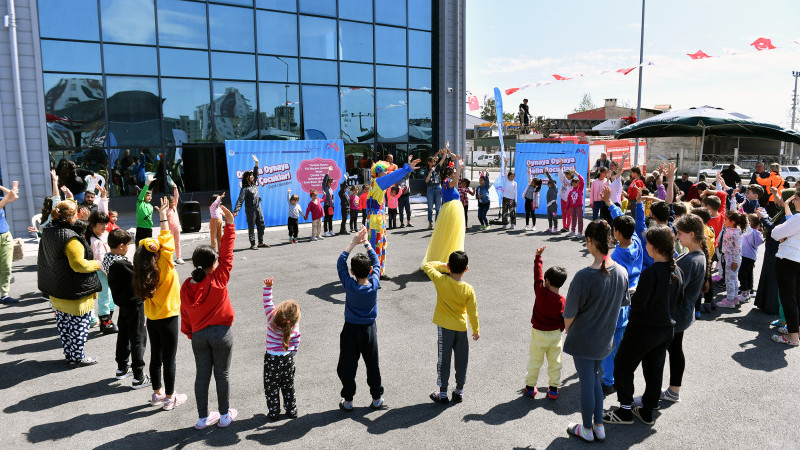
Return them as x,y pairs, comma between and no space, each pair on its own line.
611,111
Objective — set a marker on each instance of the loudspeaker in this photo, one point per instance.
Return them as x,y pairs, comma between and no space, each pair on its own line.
190,217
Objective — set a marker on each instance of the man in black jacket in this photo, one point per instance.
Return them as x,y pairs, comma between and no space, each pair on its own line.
730,176
132,335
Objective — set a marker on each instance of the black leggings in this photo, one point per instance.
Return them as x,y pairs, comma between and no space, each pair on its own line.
354,219
788,273
529,212
677,361
746,274
163,347
293,229
327,223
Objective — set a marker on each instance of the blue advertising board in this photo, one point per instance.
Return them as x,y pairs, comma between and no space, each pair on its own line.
283,165
538,157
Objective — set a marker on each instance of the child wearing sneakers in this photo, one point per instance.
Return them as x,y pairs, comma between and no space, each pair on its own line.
359,337
294,215
751,240
283,339
391,200
482,194
455,302
731,249
132,335
575,205
548,323
315,209
552,203
463,191
355,208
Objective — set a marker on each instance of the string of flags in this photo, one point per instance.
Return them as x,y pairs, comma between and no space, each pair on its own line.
760,44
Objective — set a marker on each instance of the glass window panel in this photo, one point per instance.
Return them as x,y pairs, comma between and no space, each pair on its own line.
392,12
353,74
355,41
280,5
317,37
392,111
322,7
358,115
57,19
420,118
128,21
280,111
277,33
235,66
134,111
184,63
234,110
356,10
319,72
237,2
321,112
70,56
277,68
78,98
130,59
419,79
182,24
231,28
419,14
390,45
390,76
419,48
186,110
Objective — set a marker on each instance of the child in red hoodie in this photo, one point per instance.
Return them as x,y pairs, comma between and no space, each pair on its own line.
206,319
548,324
315,208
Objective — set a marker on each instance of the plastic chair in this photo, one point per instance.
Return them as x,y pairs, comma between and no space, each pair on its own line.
93,181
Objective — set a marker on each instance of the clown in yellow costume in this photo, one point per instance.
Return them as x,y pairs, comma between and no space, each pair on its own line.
376,211
448,234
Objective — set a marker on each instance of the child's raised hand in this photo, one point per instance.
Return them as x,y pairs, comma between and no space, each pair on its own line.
606,194
639,194
222,195
540,250
268,282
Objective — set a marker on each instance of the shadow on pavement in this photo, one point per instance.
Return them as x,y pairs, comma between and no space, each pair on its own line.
405,417
47,400
759,353
326,291
402,280
16,372
90,422
519,407
295,429
617,436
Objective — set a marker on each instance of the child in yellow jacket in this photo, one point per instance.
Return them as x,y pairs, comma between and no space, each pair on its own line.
455,304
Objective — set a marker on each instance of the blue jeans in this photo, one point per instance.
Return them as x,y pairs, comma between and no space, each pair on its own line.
596,207
434,195
591,391
608,363
483,208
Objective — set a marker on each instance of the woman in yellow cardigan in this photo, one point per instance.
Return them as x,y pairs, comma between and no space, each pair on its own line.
68,275
156,281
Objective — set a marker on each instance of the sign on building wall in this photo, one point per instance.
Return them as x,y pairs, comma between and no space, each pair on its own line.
541,157
283,165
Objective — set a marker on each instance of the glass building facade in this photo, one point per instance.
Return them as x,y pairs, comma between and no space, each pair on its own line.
166,82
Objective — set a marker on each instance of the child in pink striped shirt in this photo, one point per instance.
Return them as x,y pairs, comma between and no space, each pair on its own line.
283,338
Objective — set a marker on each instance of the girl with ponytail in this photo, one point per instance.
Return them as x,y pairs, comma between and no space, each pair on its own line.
206,319
283,338
731,256
590,315
650,329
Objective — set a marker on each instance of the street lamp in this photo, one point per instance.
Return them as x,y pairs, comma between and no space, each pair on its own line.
286,94
639,98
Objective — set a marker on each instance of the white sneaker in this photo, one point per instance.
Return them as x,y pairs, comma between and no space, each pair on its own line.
579,235
570,233
533,229
313,238
527,228
180,261
320,238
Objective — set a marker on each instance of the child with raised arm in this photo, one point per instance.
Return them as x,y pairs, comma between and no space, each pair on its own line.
731,249
175,222
391,202
463,191
327,203
751,240
455,304
359,337
283,339
355,208
315,208
552,203
344,201
144,211
482,194
294,215
575,205
548,323
215,223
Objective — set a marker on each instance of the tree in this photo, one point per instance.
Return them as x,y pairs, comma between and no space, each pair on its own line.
489,114
586,104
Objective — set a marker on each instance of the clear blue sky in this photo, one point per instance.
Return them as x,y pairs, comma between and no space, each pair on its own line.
513,42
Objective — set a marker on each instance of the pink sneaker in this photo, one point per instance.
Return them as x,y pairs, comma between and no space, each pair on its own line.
716,278
171,403
726,304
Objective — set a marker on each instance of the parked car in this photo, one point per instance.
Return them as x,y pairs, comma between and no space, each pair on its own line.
712,172
486,160
790,173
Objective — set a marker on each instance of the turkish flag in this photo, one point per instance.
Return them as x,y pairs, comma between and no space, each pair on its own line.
560,78
511,91
626,71
698,55
473,103
763,44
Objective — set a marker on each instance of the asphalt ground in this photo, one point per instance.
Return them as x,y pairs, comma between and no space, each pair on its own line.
740,388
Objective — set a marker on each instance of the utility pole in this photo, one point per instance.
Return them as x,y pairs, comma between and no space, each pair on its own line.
639,98
795,74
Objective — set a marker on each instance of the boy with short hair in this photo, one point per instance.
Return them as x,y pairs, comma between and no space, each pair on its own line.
359,337
548,323
455,302
144,211
132,335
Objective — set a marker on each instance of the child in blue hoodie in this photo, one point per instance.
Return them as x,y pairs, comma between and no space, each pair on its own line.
629,253
482,194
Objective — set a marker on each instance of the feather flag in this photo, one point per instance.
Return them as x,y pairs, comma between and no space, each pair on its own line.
698,55
498,107
473,103
511,91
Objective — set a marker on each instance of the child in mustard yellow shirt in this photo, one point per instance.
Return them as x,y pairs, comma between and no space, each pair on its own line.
156,281
455,304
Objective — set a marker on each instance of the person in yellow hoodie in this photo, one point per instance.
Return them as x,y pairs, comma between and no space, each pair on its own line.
156,281
68,276
455,303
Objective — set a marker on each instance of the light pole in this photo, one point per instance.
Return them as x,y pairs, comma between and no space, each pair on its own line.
286,95
795,74
639,98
